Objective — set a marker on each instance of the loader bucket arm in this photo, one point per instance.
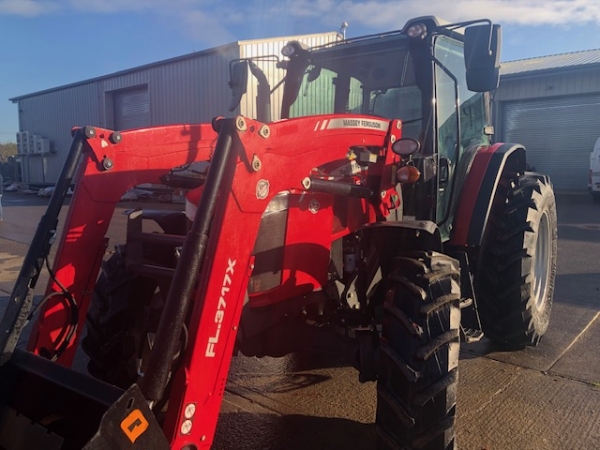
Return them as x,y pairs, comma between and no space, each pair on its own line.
20,302
112,166
247,187
250,163
46,405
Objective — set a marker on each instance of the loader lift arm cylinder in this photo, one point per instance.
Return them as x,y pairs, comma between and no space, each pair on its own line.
16,315
337,188
154,380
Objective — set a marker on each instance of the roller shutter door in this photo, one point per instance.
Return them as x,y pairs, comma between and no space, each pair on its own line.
558,133
132,108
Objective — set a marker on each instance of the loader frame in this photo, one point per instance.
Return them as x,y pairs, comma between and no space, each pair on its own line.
235,195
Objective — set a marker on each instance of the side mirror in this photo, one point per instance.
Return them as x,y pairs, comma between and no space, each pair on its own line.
405,146
482,57
238,82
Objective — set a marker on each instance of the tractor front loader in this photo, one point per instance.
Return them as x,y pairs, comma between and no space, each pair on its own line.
374,214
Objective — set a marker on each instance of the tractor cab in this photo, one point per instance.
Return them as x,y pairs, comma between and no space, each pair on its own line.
434,77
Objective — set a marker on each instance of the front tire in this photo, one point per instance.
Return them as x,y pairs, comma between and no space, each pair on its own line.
119,319
517,266
416,388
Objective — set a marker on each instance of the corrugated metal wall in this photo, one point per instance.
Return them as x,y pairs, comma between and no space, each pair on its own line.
559,133
52,115
549,85
189,89
556,116
186,90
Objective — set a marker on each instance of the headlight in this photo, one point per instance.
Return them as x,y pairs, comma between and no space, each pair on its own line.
293,48
418,30
288,50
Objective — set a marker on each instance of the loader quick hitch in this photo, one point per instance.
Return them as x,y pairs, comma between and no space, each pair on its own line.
17,313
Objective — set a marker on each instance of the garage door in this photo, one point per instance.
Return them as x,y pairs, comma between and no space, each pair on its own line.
132,108
558,133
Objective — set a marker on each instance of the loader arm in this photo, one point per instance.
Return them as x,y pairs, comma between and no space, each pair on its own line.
267,159
285,162
18,310
108,171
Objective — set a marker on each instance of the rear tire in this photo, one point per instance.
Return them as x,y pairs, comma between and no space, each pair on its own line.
517,266
416,388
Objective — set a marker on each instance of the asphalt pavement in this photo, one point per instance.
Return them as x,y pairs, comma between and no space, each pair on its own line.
542,398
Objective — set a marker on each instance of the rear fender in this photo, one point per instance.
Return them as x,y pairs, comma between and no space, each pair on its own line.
480,188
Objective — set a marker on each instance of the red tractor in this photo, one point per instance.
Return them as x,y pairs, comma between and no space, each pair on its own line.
377,208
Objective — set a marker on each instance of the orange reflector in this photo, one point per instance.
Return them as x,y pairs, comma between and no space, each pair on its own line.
408,174
134,425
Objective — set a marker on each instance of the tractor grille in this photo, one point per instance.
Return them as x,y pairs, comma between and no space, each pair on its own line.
269,252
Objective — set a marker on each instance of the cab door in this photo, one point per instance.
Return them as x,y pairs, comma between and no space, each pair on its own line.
461,117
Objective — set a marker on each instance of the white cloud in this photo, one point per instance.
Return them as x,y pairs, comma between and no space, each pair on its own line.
113,6
308,8
26,8
205,28
214,22
198,19
386,14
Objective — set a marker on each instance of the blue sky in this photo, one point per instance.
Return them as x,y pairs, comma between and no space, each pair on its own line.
49,43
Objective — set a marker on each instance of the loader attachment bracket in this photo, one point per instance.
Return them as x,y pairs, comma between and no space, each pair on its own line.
46,405
129,425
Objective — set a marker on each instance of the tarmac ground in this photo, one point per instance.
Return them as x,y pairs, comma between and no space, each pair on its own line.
542,398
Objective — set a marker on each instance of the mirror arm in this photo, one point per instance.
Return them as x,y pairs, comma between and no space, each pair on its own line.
263,94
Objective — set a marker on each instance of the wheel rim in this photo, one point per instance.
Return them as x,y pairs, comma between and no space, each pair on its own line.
541,264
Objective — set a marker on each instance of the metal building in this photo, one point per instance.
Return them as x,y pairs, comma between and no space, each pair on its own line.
189,89
551,104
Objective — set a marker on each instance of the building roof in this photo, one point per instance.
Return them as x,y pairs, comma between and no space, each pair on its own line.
581,59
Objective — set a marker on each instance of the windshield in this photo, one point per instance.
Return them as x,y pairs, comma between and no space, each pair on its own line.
369,78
